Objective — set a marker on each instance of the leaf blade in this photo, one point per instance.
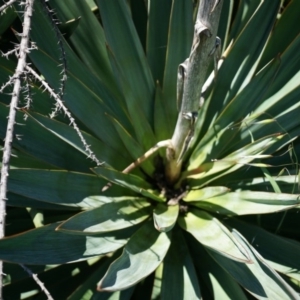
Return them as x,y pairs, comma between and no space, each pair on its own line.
140,257
44,245
165,216
122,38
247,203
133,182
108,217
258,278
179,280
58,187
212,234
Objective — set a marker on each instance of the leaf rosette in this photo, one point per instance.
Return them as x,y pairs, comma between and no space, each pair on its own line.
218,230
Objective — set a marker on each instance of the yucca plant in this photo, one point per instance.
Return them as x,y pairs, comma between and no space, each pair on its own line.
140,207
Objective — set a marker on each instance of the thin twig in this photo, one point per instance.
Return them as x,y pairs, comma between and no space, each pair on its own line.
136,163
159,145
38,281
6,84
11,121
61,105
28,94
8,53
6,5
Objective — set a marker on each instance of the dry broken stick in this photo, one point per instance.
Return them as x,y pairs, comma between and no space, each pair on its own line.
23,51
60,105
6,5
37,280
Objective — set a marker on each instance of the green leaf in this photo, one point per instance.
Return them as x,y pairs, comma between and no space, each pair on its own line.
139,15
92,5
7,69
43,145
141,256
178,48
224,134
240,65
86,290
244,15
281,99
22,286
86,96
123,40
44,245
91,47
219,284
258,278
217,168
127,294
122,178
142,128
19,159
132,146
67,28
108,217
144,289
206,193
281,102
165,216
287,184
211,233
179,280
133,182
58,187
16,200
279,252
157,37
96,201
248,202
279,40
43,106
272,181
156,291
7,18
68,134
224,23
162,127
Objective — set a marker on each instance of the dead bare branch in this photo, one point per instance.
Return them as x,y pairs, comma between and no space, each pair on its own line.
192,74
11,121
37,280
6,5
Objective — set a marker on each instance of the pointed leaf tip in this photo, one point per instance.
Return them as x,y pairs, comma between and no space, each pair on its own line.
141,256
165,217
